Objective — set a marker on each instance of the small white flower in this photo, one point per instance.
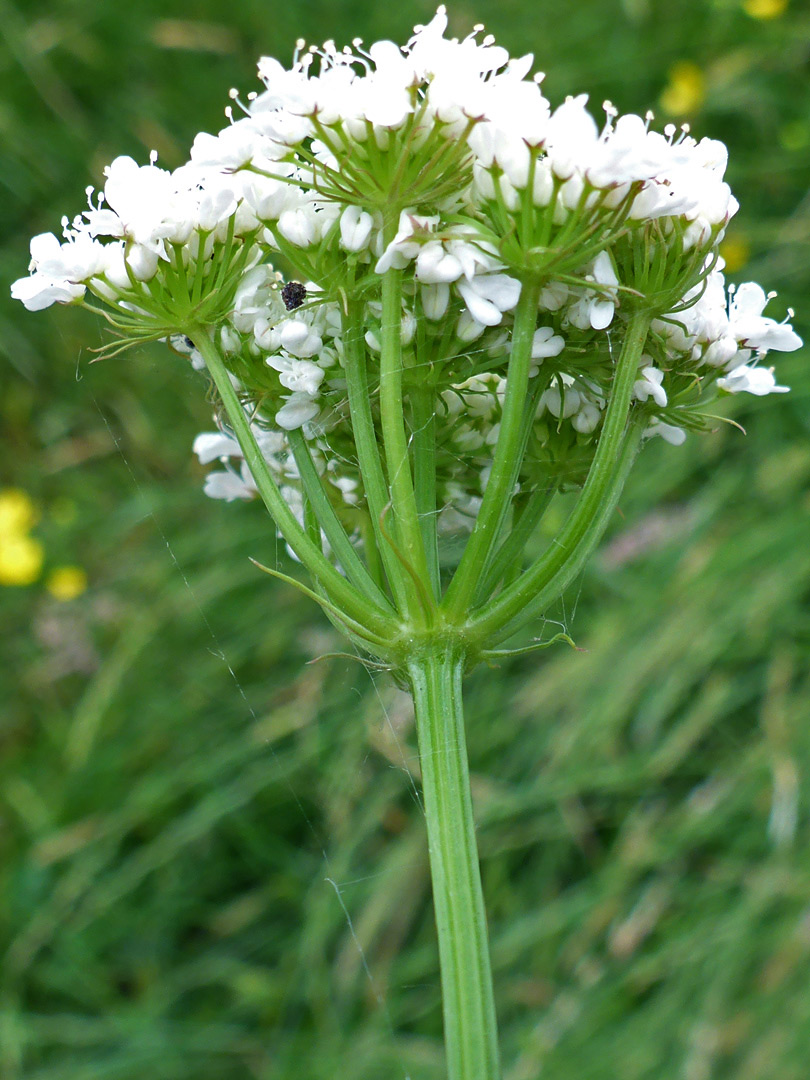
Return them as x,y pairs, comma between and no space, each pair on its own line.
414,230
488,296
467,329
751,380
80,259
216,205
408,327
210,445
561,399
571,136
231,148
650,386
553,296
435,299
669,433
38,292
601,308
115,266
229,485
754,329
355,228
302,375
587,419
348,488
140,196
143,262
720,352
269,198
435,265
298,226
299,338
298,409
546,343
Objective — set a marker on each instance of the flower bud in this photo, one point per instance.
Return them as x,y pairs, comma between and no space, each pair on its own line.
297,226
435,299
355,228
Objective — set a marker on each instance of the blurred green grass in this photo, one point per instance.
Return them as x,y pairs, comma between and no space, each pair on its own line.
198,828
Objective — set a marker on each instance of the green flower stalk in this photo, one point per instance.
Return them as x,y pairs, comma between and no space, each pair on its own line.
484,302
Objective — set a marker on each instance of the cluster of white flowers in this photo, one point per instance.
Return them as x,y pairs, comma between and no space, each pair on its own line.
441,161
726,329
148,230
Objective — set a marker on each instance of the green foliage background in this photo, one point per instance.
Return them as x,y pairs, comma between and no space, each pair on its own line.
200,832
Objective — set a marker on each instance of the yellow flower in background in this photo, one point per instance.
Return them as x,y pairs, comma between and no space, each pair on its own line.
66,582
21,559
736,251
685,92
17,512
21,556
765,9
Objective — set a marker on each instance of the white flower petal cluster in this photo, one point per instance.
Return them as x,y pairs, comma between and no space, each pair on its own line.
563,163
145,218
725,328
442,167
722,334
301,346
362,94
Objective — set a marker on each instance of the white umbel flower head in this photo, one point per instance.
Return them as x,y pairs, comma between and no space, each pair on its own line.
428,200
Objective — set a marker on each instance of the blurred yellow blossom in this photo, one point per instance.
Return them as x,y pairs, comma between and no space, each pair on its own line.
20,558
66,582
685,91
736,251
765,9
20,554
17,512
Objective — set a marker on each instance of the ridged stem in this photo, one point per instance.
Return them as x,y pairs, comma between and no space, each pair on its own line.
470,1027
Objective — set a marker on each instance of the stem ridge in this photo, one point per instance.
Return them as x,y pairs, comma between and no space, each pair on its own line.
470,1024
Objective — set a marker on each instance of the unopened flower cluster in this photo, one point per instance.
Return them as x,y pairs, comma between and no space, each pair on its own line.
443,162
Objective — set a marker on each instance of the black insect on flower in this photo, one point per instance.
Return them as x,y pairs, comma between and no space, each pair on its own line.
293,294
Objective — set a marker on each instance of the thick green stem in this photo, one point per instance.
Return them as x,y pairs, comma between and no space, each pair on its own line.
395,440
505,464
360,608
598,494
470,1028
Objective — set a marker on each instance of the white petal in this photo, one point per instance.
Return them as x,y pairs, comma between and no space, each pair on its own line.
38,292
297,411
210,445
600,314
546,343
228,486
751,380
